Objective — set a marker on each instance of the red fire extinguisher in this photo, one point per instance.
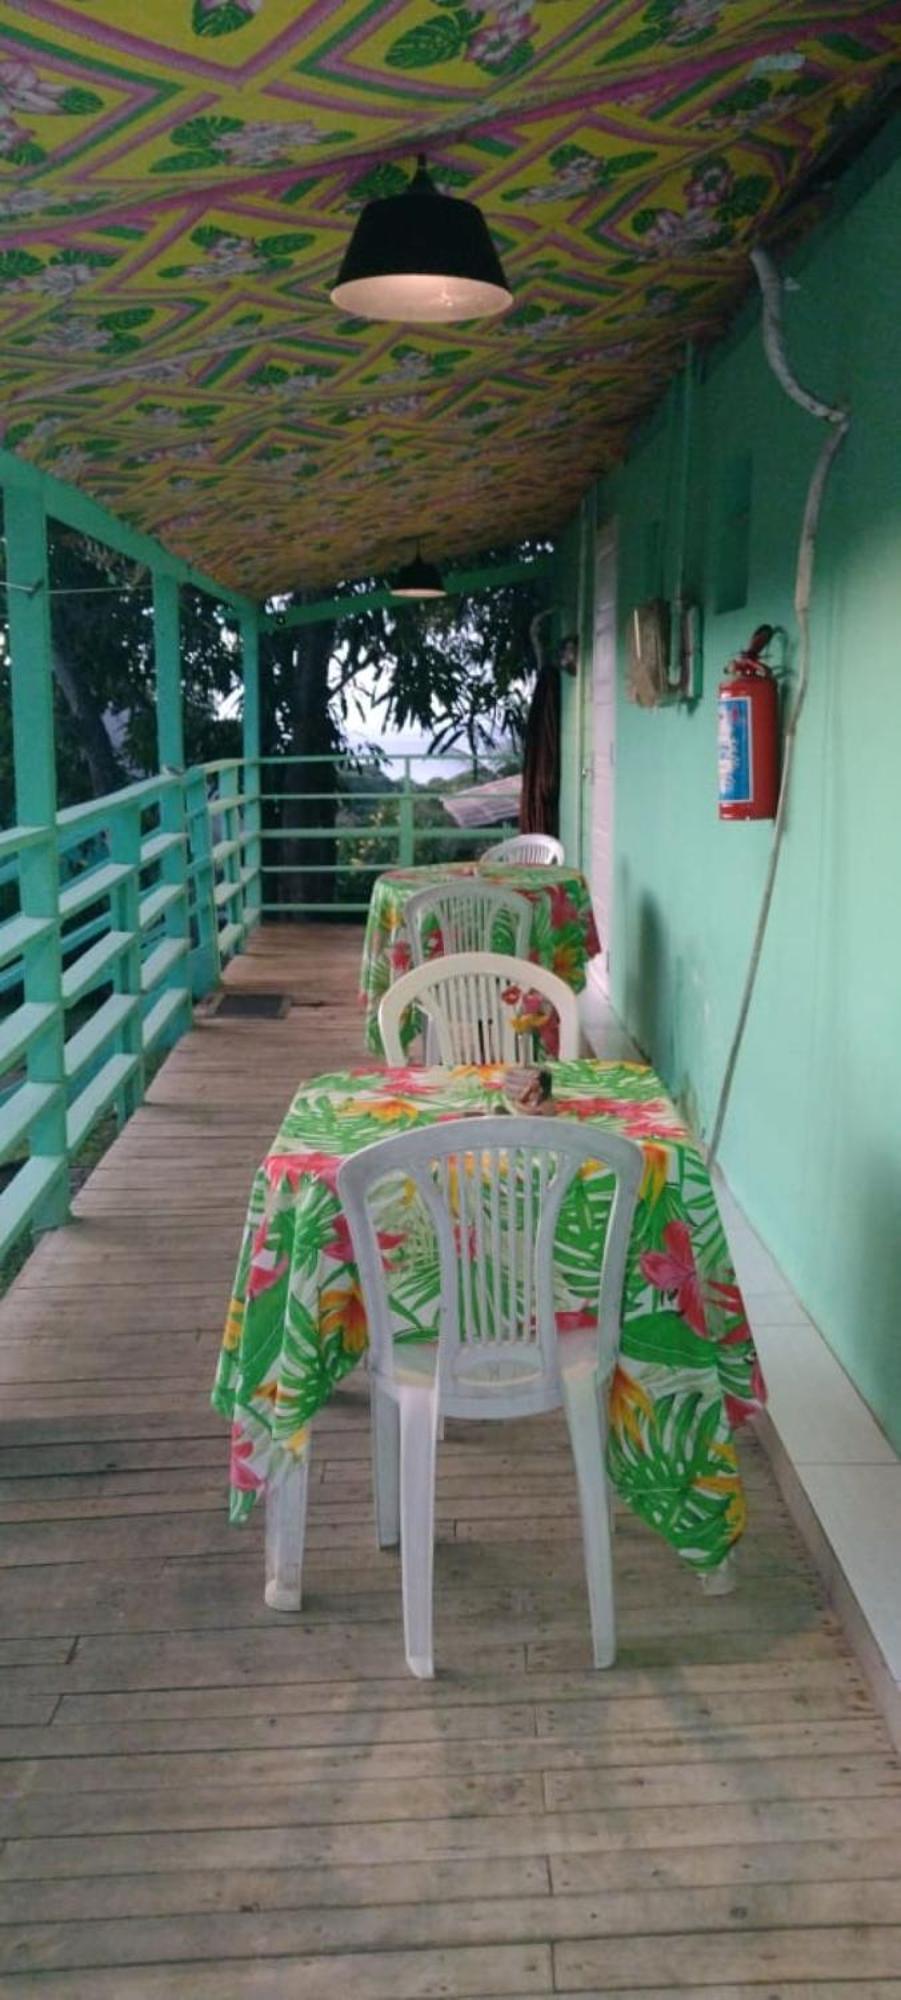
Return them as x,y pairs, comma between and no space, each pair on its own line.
748,734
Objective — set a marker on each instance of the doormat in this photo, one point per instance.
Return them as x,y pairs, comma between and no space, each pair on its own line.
253,1006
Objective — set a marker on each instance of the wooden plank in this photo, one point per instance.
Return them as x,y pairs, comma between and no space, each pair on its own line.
774,1861
373,1928
195,1890
279,1842
77,1738
660,1690
471,1973
664,1759
795,1777
638,1915
324,1805
112,1724
24,1710
82,1595
852,1953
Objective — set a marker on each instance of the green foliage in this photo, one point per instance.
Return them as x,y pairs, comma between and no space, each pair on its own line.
379,182
437,40
222,20
76,103
17,264
202,134
106,634
635,45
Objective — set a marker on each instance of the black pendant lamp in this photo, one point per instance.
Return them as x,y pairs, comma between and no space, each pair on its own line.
418,578
421,257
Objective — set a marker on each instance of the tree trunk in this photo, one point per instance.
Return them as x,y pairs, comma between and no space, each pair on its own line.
103,765
300,725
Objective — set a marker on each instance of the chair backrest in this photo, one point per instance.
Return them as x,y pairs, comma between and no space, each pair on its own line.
464,914
527,847
493,1189
482,1007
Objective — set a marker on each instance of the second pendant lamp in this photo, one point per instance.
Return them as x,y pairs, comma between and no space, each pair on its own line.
421,257
418,578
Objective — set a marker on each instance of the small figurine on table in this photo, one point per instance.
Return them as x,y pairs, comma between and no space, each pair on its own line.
529,1091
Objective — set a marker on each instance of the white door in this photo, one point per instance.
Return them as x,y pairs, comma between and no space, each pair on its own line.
602,739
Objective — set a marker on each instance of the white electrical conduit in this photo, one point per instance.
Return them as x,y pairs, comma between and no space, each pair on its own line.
774,347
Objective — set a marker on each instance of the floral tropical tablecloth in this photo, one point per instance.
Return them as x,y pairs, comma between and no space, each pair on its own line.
687,1374
563,935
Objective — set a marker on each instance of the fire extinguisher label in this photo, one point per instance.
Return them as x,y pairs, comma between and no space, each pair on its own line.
734,746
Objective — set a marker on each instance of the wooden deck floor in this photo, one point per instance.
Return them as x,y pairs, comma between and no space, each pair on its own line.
202,1798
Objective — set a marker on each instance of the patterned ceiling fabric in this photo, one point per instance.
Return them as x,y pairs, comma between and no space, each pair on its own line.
178,180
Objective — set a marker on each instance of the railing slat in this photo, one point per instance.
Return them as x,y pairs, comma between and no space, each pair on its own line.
20,932
161,961
160,1016
86,1043
27,1193
19,1112
88,969
22,1028
97,1097
159,844
157,901
92,887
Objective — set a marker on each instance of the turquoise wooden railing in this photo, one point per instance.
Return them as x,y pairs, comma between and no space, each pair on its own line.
124,911
399,840
156,886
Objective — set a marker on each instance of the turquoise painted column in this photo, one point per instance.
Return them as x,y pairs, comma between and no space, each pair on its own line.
252,852
34,754
170,727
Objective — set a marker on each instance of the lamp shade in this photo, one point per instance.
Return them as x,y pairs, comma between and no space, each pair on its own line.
421,257
418,579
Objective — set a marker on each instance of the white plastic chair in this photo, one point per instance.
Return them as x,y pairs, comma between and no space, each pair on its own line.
493,1189
531,848
470,915
468,1020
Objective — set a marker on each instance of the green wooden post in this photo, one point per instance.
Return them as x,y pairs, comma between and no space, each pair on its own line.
34,756
125,848
252,855
406,830
170,726
205,961
228,894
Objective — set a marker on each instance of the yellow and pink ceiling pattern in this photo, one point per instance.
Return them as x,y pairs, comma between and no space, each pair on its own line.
178,180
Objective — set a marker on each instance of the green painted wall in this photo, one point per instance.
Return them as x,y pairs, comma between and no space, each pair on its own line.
812,1145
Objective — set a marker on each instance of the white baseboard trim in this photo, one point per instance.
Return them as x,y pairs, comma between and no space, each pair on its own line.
840,1590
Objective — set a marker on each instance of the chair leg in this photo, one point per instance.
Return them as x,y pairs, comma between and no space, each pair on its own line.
719,1582
588,1435
286,1519
418,1425
385,1434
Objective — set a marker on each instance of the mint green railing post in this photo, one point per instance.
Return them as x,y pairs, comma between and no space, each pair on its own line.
252,854
170,726
177,923
205,962
405,822
228,893
125,849
34,755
